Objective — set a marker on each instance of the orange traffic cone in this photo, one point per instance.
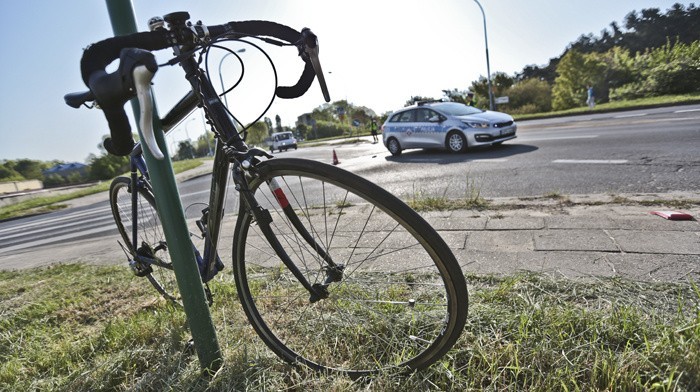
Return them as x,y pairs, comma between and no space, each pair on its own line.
335,158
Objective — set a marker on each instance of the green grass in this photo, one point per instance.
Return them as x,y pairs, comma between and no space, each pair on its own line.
181,166
85,328
48,203
42,204
641,103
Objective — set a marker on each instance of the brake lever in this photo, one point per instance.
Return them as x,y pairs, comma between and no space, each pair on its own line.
142,82
311,49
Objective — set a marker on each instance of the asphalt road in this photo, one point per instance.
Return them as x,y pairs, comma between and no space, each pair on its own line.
644,151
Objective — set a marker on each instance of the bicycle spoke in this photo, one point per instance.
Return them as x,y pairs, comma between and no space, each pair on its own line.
389,307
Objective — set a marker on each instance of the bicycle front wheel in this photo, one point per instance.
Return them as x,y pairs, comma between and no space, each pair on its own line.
149,232
400,301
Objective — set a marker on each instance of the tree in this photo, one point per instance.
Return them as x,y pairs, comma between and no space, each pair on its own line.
268,122
107,166
185,150
416,98
9,174
28,168
456,95
302,130
639,32
570,85
500,83
325,112
257,133
205,144
363,114
278,122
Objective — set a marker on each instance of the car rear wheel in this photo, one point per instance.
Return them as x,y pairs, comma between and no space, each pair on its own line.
456,142
394,147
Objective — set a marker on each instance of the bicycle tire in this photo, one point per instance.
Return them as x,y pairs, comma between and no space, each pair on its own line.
402,302
150,231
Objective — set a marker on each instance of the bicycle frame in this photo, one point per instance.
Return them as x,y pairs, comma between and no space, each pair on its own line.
227,135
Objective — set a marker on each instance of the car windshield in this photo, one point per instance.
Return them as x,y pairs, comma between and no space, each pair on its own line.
457,109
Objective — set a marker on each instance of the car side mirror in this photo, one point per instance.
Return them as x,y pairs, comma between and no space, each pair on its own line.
436,119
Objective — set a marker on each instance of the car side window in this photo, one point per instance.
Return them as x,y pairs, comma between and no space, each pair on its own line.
407,116
424,115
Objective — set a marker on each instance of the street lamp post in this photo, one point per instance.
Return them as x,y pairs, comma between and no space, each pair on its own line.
221,78
206,132
187,133
488,66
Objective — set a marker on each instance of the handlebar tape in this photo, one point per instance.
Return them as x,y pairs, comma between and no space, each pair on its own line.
284,33
99,55
113,90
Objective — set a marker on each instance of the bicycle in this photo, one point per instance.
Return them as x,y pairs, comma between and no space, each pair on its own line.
324,261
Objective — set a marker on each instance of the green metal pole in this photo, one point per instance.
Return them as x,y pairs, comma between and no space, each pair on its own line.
121,13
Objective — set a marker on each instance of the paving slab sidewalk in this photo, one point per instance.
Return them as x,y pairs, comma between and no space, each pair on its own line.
578,236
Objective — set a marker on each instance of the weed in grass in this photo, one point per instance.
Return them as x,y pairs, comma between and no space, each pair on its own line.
679,203
423,201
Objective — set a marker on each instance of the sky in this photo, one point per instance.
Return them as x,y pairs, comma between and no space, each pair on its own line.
374,53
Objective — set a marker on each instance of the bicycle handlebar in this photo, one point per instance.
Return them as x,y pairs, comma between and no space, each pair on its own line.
111,91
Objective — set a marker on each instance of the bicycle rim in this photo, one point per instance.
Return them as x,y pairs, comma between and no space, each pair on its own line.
149,231
402,300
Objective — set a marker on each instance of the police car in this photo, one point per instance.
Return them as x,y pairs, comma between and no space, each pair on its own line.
447,125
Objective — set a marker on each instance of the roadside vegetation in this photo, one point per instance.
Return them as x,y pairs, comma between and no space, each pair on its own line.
86,328
40,204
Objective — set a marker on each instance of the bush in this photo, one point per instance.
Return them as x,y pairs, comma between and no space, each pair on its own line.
9,174
663,71
525,109
530,96
108,166
53,180
325,129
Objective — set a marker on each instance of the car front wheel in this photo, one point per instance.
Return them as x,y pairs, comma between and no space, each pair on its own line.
456,142
394,147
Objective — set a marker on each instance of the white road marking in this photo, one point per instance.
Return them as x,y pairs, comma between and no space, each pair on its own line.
58,220
59,238
687,110
630,115
682,119
526,138
107,219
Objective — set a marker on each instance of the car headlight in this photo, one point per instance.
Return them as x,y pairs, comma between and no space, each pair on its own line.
475,124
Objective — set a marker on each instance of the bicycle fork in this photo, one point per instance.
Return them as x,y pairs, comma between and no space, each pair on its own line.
334,271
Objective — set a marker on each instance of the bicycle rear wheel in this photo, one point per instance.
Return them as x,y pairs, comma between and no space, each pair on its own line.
401,301
151,239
